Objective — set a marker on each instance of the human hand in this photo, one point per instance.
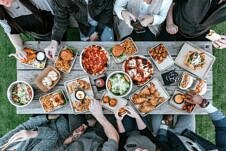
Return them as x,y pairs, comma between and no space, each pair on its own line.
96,109
51,49
23,135
20,55
146,20
172,29
127,16
220,43
94,37
193,98
132,113
117,116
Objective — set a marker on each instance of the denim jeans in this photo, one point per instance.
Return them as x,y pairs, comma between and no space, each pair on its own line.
182,122
107,34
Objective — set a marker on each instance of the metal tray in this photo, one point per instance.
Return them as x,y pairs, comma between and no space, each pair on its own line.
41,64
202,73
73,61
166,64
72,97
179,106
124,56
161,90
58,107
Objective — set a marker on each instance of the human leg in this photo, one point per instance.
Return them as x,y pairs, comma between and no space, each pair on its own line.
184,122
107,35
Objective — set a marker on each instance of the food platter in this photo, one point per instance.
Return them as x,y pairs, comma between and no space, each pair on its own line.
161,57
65,59
125,49
149,97
119,84
178,101
47,79
53,101
139,68
20,93
94,60
77,87
35,59
189,82
195,60
112,102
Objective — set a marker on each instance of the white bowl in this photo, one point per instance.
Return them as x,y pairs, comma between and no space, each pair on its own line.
120,72
9,93
108,56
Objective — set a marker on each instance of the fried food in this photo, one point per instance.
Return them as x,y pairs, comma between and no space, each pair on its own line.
159,53
195,60
31,56
67,55
146,109
200,86
184,99
65,60
78,84
122,111
52,101
82,106
147,99
106,99
112,102
185,81
129,46
118,50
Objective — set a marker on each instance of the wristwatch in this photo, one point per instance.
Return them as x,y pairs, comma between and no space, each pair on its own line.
204,103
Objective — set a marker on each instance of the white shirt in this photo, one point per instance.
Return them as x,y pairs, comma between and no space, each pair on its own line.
120,5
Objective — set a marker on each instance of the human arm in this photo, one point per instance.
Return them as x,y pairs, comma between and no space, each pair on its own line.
142,127
217,117
97,112
171,28
156,19
15,40
105,17
48,138
32,123
61,23
220,43
122,13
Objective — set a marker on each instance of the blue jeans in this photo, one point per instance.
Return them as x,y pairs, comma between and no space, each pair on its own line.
107,34
219,121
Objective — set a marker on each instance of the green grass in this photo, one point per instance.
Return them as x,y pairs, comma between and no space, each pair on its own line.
9,118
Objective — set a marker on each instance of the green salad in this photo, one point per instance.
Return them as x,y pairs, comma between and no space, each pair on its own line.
119,84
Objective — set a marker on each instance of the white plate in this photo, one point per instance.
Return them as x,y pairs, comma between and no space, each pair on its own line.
202,73
167,63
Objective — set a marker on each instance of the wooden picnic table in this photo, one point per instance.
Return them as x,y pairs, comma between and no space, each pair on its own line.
29,74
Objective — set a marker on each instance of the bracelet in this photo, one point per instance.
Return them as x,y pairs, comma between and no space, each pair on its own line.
204,103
